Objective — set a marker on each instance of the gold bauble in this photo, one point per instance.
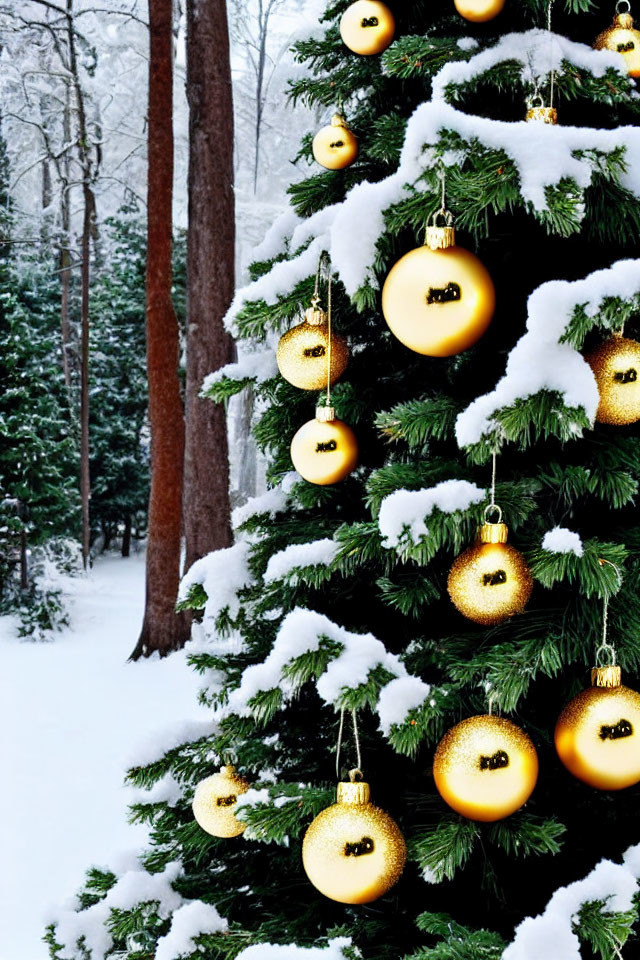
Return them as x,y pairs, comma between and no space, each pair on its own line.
616,367
542,114
621,37
353,852
438,299
598,733
490,581
302,355
485,768
324,450
479,10
214,803
367,27
335,146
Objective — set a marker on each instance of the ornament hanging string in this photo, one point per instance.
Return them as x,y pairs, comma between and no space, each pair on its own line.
492,507
553,72
329,290
605,647
357,773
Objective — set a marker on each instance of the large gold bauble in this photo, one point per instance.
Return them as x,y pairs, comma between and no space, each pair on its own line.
598,734
214,803
353,852
490,581
367,27
479,10
335,146
324,451
438,302
616,367
621,37
302,356
485,768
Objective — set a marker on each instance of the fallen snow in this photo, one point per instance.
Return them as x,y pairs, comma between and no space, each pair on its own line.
188,922
335,950
316,553
405,511
562,540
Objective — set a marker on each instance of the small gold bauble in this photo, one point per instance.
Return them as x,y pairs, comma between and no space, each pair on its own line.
324,450
542,114
479,10
598,733
302,355
214,803
335,146
621,37
438,299
490,581
485,768
353,852
616,367
367,27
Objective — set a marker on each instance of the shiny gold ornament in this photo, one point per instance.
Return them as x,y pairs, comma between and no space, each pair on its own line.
438,299
335,146
616,367
538,112
214,803
324,450
303,352
353,852
485,768
623,38
479,10
367,27
598,733
490,581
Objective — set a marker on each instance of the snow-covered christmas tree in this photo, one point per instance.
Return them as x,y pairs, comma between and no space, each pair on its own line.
357,624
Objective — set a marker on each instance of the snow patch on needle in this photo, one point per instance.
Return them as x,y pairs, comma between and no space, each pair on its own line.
562,540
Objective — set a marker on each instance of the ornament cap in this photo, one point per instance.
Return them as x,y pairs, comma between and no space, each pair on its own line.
228,770
440,236
337,120
493,533
356,792
623,20
606,676
315,315
325,414
542,114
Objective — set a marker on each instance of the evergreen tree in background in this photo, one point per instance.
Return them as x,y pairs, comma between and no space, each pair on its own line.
335,597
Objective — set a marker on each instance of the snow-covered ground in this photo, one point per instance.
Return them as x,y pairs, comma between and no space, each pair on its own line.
71,714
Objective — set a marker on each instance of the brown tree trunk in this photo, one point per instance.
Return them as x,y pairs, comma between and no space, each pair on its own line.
85,486
210,273
162,630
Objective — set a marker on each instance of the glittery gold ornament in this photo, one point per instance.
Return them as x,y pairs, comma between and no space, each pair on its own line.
335,146
479,10
598,733
303,352
214,803
623,38
616,367
485,768
438,299
367,27
353,852
490,581
324,450
537,112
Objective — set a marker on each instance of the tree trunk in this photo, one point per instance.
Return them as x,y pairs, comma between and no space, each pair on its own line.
210,273
85,488
162,630
65,253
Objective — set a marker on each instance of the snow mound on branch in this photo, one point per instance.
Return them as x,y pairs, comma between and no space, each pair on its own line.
257,365
407,510
316,553
272,502
166,790
539,361
277,236
551,932
271,951
467,43
133,887
222,574
177,735
397,698
562,540
254,797
187,923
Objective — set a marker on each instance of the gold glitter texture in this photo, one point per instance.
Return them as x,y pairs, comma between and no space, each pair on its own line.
485,768
302,356
616,367
214,803
353,852
324,453
367,27
622,38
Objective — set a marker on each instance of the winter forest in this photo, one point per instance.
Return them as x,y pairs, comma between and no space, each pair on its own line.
319,479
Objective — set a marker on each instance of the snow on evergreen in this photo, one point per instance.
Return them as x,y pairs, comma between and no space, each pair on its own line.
398,698
272,502
404,512
335,950
257,365
539,361
562,540
222,574
188,922
316,553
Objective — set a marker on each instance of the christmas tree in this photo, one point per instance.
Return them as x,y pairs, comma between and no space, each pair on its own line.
336,612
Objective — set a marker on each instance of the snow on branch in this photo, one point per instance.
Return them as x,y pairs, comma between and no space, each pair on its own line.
540,362
189,922
257,365
297,555
552,933
403,512
335,950
272,502
349,660
222,574
562,540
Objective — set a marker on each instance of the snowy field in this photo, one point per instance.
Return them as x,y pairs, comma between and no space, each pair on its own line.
71,714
